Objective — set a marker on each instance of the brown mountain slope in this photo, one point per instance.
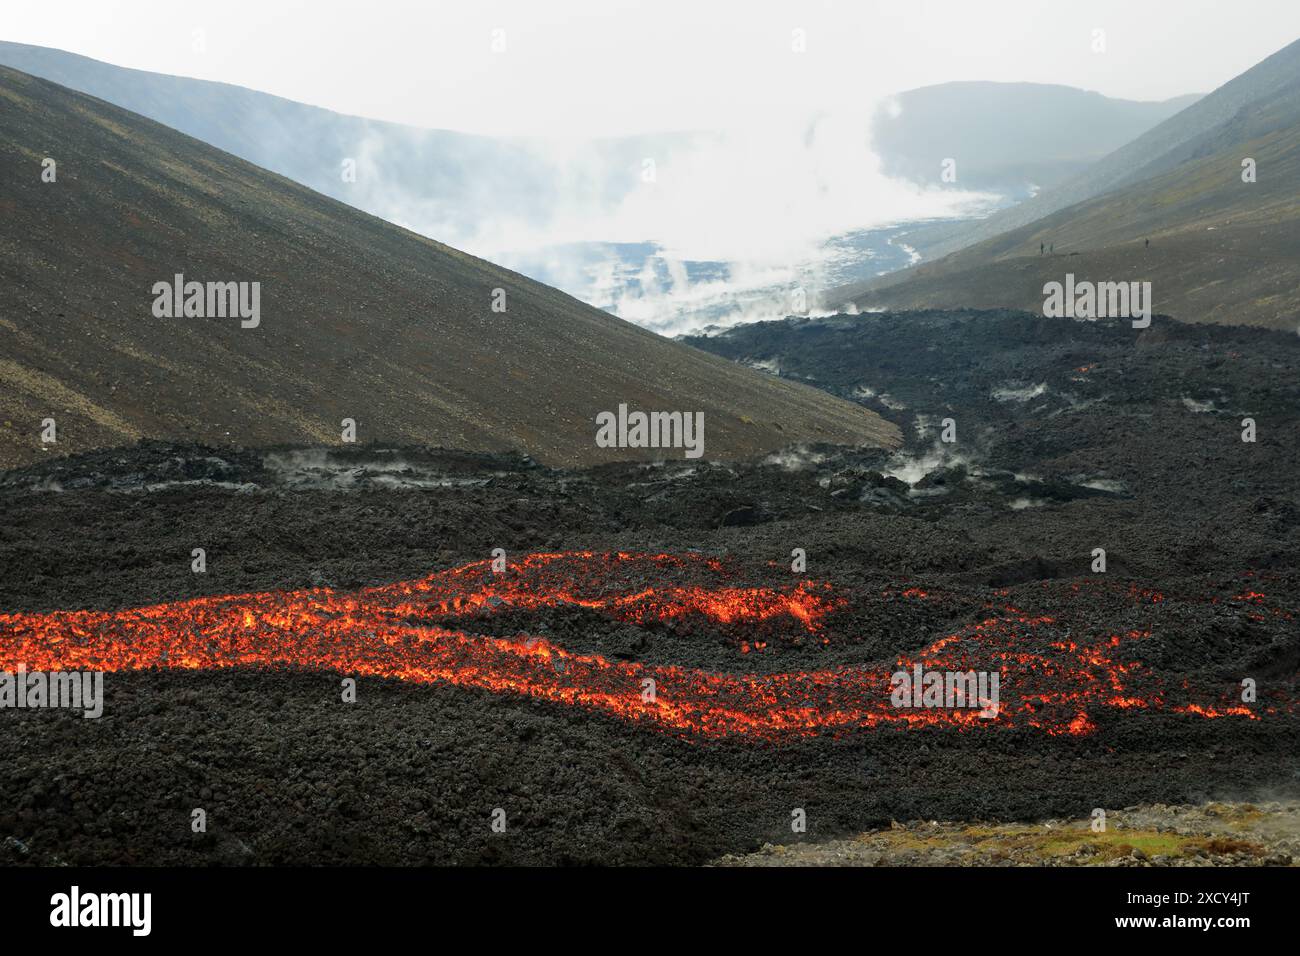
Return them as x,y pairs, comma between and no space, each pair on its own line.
1187,133
359,319
1222,250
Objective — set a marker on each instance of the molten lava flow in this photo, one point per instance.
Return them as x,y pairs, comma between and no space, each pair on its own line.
401,631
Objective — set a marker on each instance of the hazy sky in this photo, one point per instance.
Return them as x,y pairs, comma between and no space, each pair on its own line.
573,67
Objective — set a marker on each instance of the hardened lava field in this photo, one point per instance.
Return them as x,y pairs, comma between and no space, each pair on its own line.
526,689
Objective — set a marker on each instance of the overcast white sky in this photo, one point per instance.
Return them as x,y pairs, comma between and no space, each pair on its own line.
605,67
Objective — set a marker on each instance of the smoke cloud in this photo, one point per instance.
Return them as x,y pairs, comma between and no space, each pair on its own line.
673,231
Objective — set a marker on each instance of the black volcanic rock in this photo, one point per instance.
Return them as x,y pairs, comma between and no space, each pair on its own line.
1182,507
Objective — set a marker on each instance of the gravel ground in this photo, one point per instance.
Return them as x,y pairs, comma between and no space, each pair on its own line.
1212,834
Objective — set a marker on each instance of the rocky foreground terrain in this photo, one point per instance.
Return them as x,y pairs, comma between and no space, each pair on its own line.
522,692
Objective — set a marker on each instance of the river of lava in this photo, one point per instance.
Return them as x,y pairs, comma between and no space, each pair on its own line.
400,631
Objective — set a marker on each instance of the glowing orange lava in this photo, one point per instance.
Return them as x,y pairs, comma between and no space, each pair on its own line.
401,631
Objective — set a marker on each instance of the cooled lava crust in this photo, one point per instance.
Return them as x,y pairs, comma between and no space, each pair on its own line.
526,689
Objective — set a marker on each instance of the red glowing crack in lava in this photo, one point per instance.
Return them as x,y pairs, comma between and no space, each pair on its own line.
391,631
